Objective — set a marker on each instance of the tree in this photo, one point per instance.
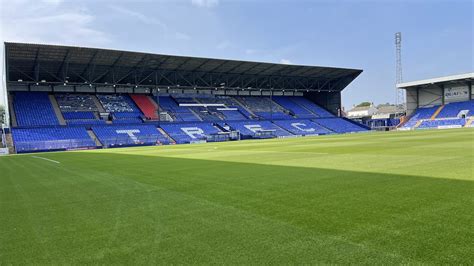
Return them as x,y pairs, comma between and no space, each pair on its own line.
2,114
363,104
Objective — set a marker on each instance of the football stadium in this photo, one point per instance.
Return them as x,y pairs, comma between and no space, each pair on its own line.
271,172
133,157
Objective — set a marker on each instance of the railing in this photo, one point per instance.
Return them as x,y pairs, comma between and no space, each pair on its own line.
265,134
47,145
129,141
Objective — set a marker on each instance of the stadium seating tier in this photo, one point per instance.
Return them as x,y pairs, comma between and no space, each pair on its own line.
129,135
34,109
189,132
57,138
253,117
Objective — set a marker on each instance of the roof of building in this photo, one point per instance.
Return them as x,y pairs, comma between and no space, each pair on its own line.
389,109
53,63
360,108
446,79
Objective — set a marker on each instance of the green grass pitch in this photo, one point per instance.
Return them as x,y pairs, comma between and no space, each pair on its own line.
396,197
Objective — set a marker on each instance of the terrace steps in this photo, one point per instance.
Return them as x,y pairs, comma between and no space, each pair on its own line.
157,107
244,107
94,137
436,113
166,135
195,114
98,104
304,107
286,111
323,126
166,116
57,110
153,101
469,122
418,123
12,111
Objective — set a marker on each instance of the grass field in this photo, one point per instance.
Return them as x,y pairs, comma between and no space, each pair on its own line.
397,197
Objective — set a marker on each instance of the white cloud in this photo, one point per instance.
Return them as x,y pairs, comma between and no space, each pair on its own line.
31,21
286,62
167,31
205,3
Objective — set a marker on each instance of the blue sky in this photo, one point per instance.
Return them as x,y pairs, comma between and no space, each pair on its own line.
437,35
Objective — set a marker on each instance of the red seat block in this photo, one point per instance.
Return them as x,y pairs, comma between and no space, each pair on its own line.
145,105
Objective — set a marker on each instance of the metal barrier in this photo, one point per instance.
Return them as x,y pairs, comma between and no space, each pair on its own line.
265,134
55,145
223,136
129,141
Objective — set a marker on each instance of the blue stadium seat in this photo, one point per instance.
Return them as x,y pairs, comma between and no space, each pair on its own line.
251,129
309,105
130,135
419,114
264,107
452,110
82,118
118,103
339,125
72,102
78,115
85,122
179,113
189,132
135,120
56,138
122,107
227,102
34,109
297,110
302,127
234,115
